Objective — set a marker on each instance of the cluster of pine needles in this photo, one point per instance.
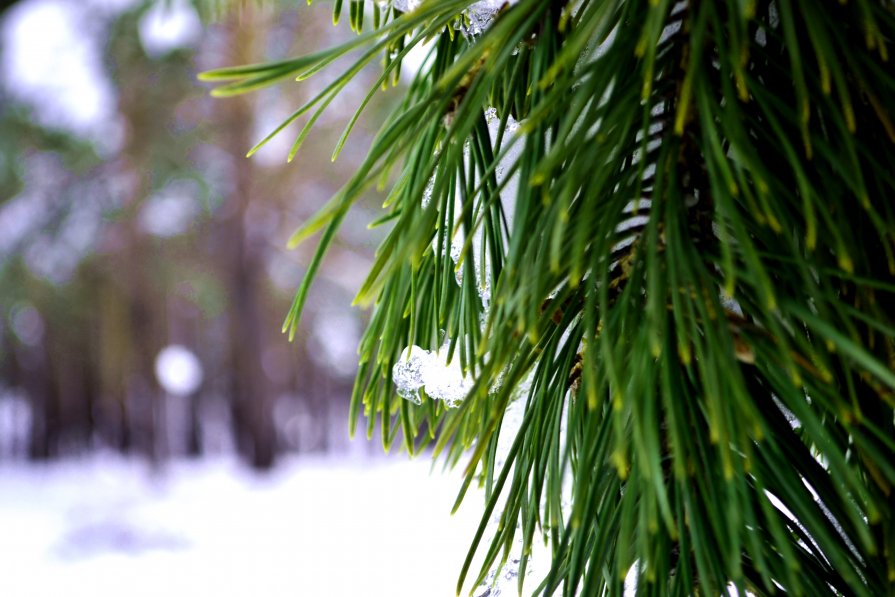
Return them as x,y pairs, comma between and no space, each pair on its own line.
692,277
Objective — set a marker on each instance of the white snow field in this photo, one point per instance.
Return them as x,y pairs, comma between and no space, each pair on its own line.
109,526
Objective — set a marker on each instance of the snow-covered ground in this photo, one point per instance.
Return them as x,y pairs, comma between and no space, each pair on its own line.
108,526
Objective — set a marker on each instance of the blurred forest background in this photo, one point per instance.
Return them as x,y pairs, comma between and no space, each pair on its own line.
132,226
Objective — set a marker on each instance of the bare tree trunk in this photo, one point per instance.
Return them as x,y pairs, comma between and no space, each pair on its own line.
38,384
252,403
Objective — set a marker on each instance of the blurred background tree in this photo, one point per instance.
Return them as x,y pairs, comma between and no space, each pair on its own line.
130,221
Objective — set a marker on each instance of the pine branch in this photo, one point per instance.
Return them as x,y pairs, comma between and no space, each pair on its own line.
665,227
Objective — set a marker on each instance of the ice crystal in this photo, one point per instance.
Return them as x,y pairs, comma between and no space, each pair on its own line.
480,15
428,370
408,373
456,251
500,582
405,5
427,192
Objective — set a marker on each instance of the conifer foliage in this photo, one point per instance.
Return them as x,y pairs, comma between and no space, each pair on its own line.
667,228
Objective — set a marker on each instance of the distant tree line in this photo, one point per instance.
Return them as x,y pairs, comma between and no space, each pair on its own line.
78,349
